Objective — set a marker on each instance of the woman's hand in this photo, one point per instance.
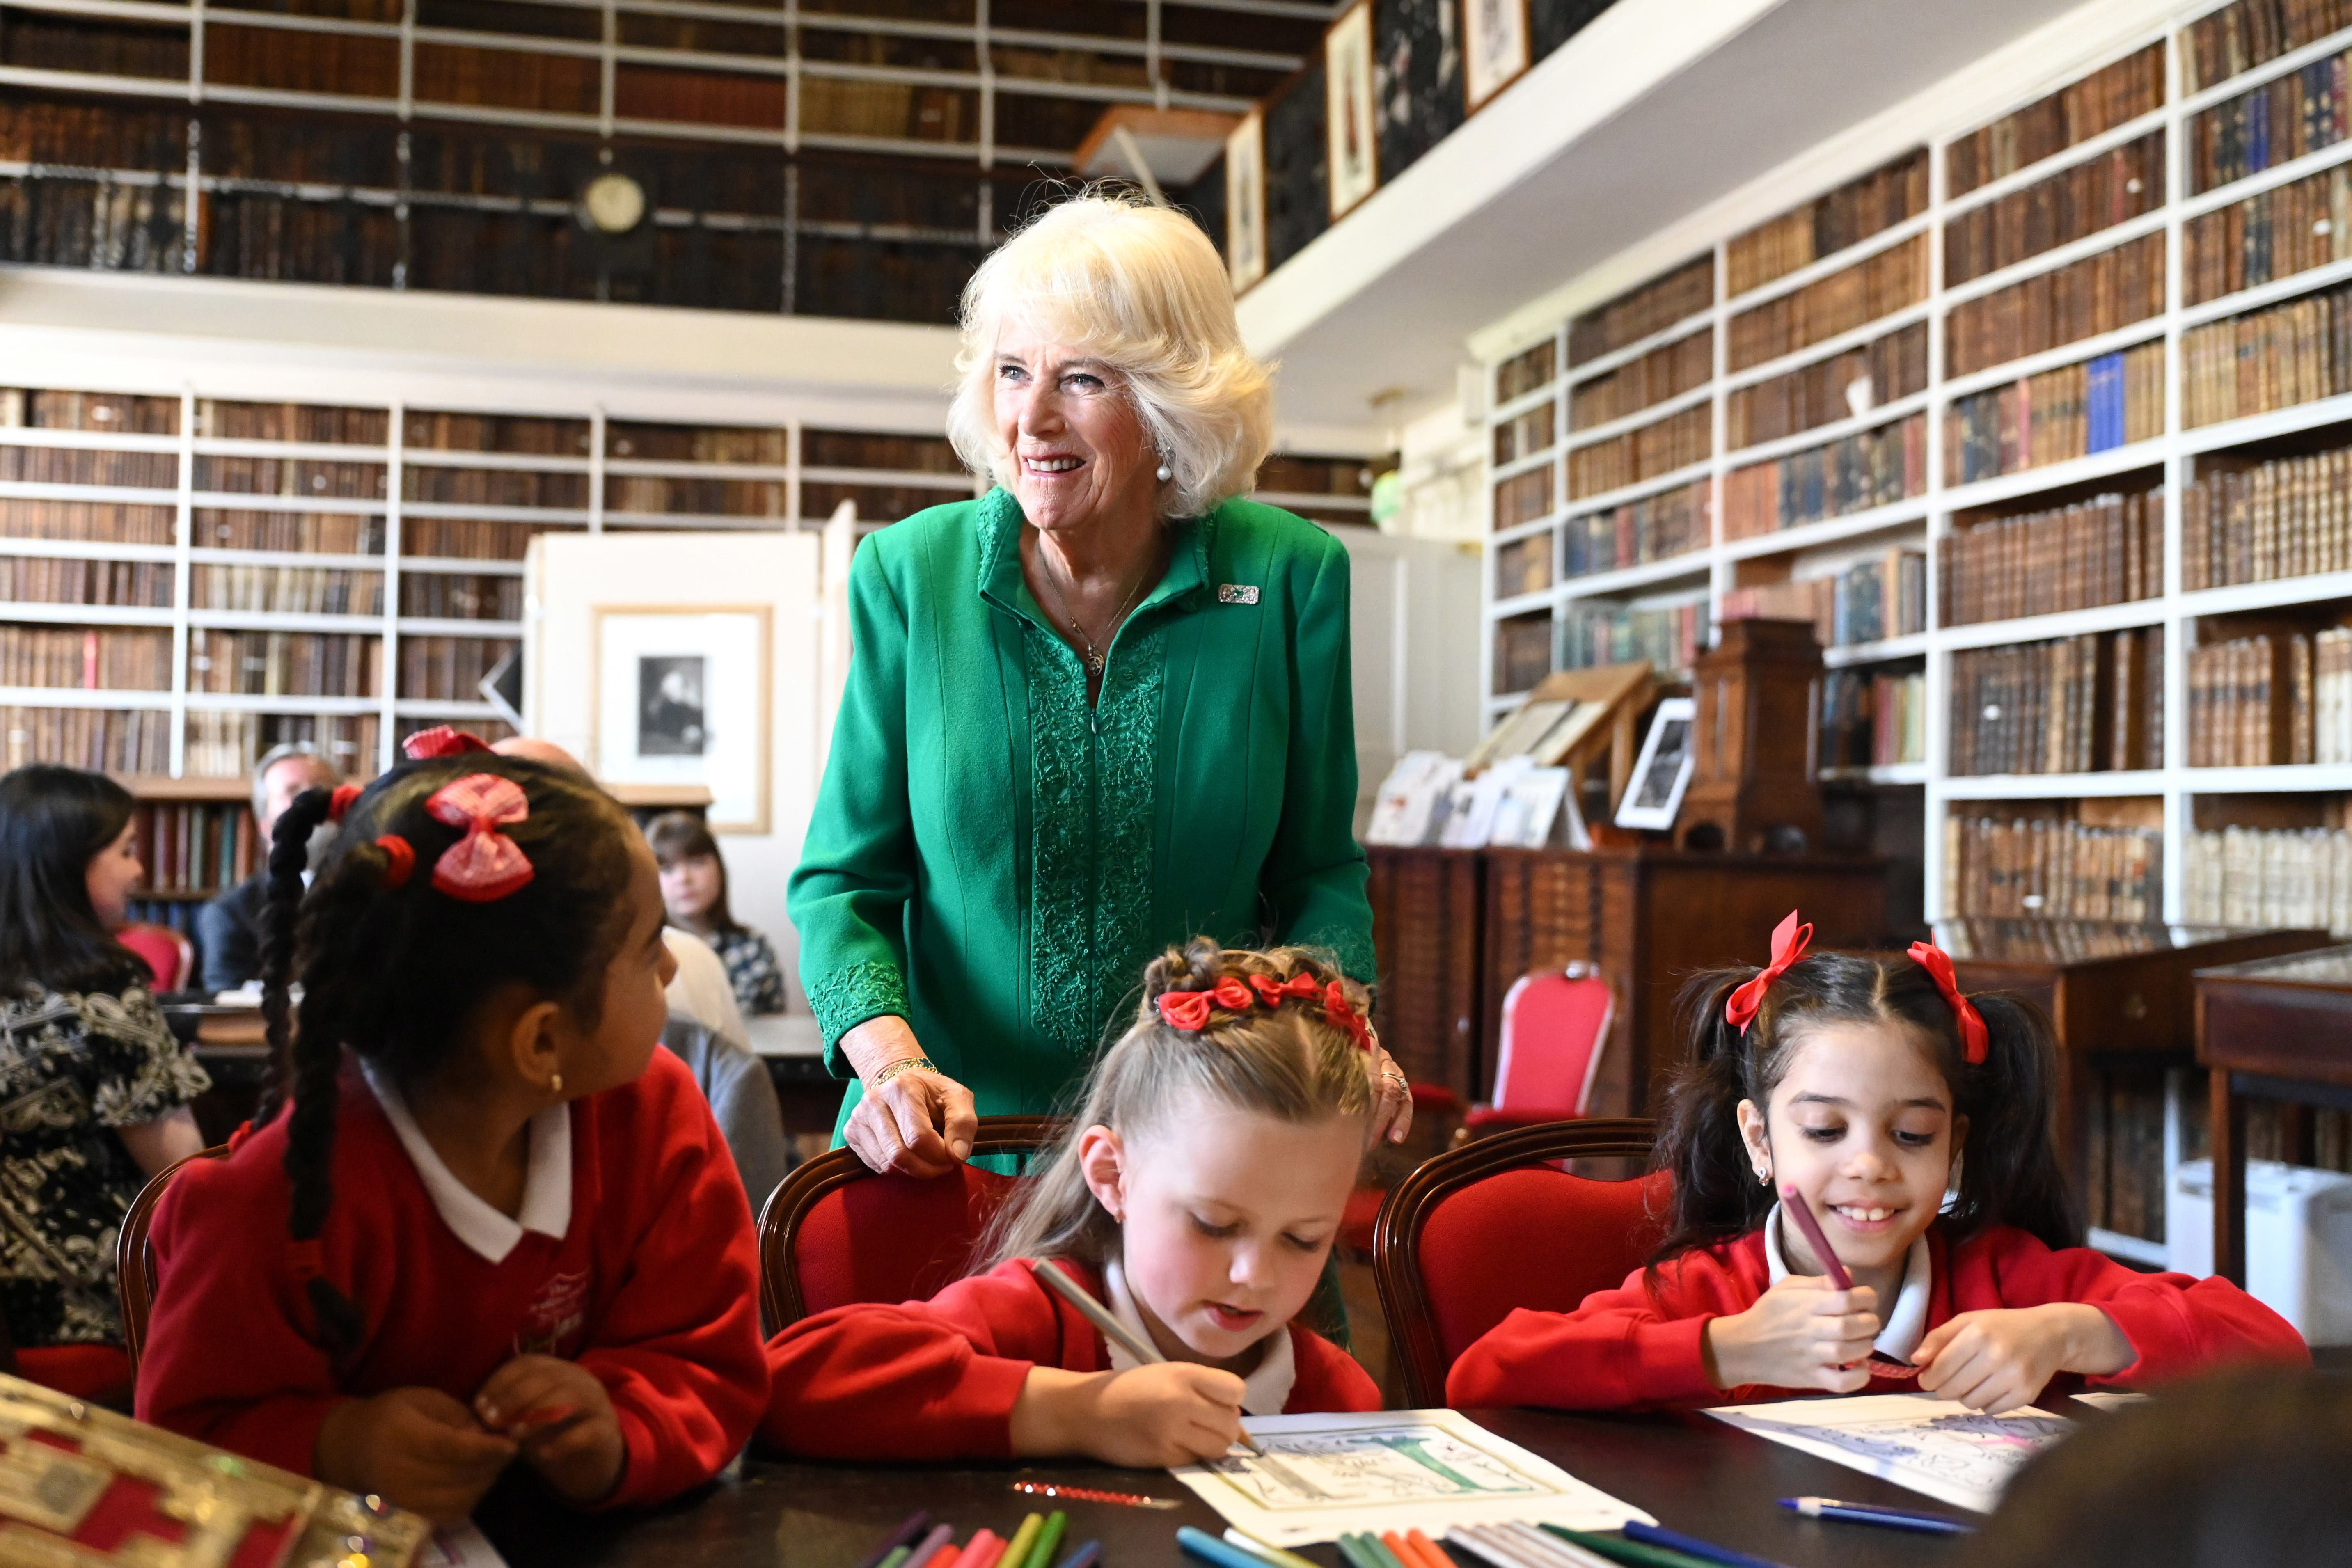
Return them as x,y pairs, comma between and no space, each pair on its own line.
1801,1333
1148,1418
563,1419
417,1446
920,1121
2002,1358
1392,1117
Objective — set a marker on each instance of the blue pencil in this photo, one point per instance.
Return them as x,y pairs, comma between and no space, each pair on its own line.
1692,1546
1083,1557
1204,1545
917,1522
1874,1513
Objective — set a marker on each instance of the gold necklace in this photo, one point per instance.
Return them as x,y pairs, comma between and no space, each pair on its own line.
1096,660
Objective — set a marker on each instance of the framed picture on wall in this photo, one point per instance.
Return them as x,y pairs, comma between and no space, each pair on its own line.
1350,119
1494,48
1246,201
1663,770
680,696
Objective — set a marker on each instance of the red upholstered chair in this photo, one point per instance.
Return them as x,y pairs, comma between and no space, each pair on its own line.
168,955
1554,1024
1493,1225
835,1232
134,1260
100,1373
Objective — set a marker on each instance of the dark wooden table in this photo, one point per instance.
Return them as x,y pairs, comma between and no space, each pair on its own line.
1692,1472
2277,1029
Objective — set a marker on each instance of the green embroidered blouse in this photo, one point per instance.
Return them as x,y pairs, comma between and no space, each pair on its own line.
993,862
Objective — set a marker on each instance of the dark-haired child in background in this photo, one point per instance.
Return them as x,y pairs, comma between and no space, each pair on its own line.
96,1089
514,1230
1874,1087
694,889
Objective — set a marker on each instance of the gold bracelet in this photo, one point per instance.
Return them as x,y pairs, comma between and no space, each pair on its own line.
904,1064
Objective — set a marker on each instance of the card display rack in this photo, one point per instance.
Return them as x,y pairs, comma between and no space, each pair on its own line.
2116,319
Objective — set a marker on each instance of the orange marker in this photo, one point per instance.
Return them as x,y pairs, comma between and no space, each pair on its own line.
1431,1553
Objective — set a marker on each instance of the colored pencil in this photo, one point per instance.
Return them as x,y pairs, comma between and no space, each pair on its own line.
1378,1549
1351,1547
1431,1553
943,1558
1401,1550
1552,1550
1479,1542
1274,1554
1059,1281
1692,1546
1794,1206
917,1522
1634,1554
980,1552
1209,1549
1049,1539
1083,1557
897,1557
923,1550
1017,1552
1873,1513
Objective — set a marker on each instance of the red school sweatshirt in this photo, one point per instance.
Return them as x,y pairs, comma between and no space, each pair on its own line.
1628,1349
652,1287
938,1379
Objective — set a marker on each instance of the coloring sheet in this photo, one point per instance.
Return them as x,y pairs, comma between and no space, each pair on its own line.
1932,1445
1390,1469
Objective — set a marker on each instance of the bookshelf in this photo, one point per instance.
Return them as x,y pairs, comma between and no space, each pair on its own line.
854,158
2082,367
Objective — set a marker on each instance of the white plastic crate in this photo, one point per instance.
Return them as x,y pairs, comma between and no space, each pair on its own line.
2298,1241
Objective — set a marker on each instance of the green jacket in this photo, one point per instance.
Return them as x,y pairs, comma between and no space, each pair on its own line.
995,863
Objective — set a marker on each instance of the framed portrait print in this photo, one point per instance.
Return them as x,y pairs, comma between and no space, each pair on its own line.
1663,770
1494,48
680,695
1350,120
1246,201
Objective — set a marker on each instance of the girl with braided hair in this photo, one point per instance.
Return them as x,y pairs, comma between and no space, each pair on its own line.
478,1217
1858,1103
1196,1194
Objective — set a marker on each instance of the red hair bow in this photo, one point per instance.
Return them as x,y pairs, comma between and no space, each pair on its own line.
340,803
1273,992
441,740
1341,1014
486,865
1789,942
1975,1040
399,860
1189,1010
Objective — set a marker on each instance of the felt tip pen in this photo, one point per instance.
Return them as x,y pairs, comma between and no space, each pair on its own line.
1793,1205
1049,1539
1692,1546
1274,1554
1061,1284
1083,1557
1209,1549
1873,1513
915,1523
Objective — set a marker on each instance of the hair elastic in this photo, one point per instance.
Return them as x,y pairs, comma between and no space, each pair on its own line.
400,859
485,865
340,804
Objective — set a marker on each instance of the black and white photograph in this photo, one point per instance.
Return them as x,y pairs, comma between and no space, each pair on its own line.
671,718
1663,771
681,697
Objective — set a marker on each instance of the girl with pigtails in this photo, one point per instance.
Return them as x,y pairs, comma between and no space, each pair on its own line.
478,1217
1196,1194
1911,1126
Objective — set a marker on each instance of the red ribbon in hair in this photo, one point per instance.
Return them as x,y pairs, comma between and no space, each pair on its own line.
400,859
340,803
486,865
1341,1014
1189,1010
441,740
1975,1040
1789,941
1273,992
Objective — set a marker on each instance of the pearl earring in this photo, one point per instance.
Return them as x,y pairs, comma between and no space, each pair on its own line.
555,1083
1763,1176
1166,473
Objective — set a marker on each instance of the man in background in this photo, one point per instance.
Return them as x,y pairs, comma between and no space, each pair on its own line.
229,929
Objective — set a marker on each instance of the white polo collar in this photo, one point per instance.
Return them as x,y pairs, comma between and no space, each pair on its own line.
546,1185
1264,1391
1906,1325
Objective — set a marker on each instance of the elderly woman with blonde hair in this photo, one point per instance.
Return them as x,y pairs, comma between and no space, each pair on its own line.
1102,709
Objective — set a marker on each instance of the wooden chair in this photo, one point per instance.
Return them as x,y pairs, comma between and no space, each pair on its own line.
1555,1023
134,1259
168,955
836,1231
1494,1225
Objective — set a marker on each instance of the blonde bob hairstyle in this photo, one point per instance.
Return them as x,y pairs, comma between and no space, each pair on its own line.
1287,1062
1142,288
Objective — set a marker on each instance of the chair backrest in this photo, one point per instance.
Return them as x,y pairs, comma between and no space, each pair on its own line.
134,1260
1492,1226
836,1231
168,955
1554,1022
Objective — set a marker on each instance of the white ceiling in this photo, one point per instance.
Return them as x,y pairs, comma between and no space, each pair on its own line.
1655,109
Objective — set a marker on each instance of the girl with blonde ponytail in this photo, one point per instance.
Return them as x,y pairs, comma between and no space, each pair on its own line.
1196,1194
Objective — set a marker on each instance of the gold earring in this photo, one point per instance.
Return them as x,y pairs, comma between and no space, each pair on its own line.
555,1083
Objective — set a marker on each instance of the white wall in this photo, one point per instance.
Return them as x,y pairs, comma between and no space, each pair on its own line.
569,575
1415,604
